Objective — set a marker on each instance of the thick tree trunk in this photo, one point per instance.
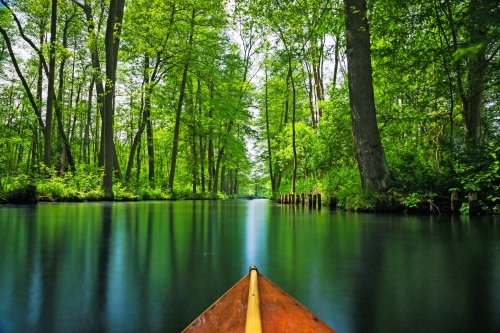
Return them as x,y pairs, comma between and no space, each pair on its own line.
372,163
111,44
473,105
98,75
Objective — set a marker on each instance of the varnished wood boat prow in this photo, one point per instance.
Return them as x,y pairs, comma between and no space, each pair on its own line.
279,312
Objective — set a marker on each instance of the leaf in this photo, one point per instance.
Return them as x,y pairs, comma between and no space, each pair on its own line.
467,52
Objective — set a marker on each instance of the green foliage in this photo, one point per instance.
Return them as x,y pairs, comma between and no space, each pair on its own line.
416,199
121,193
148,193
425,57
481,174
464,209
82,185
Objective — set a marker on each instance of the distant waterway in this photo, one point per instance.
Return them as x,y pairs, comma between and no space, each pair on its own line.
155,266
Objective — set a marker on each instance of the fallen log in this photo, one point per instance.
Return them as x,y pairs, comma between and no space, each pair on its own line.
22,196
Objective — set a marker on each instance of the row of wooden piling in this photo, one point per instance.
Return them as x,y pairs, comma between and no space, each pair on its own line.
311,200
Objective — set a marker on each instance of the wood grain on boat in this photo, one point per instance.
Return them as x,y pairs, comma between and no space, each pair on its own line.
279,312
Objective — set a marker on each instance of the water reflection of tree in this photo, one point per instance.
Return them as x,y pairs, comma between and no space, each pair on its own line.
102,282
367,280
425,276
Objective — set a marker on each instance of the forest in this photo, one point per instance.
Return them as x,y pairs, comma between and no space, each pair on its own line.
376,104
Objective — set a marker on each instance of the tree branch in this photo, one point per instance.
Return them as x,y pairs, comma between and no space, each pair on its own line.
21,32
23,80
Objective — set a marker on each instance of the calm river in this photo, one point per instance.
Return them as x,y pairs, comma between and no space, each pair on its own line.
155,266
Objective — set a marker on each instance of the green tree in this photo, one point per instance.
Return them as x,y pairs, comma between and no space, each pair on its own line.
372,162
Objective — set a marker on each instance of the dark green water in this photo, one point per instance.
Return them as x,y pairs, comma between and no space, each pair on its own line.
155,266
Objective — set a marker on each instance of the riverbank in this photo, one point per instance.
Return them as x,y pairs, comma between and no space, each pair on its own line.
393,202
32,194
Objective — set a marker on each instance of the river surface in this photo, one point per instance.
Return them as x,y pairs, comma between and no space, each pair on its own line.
155,266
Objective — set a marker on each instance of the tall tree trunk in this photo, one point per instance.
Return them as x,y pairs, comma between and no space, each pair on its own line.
202,164
235,184
194,167
138,162
116,8
175,146
372,164
136,141
223,187
336,61
86,135
50,92
310,92
317,65
474,107
202,148
149,133
220,154
135,145
97,72
294,107
210,162
479,11
270,158
57,106
211,169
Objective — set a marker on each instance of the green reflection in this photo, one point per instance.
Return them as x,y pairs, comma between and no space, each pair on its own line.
155,266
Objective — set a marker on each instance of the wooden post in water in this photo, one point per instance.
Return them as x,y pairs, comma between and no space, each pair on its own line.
302,199
314,200
319,201
309,200
473,202
455,202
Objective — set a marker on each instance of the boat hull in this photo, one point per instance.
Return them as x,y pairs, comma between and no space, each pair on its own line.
279,311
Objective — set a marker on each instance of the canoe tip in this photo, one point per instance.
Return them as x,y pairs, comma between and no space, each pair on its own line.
253,267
